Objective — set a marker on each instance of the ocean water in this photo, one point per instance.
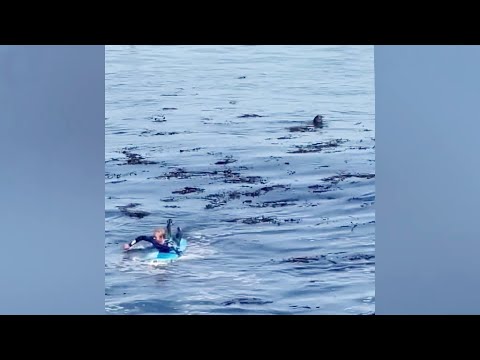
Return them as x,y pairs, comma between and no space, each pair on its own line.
279,214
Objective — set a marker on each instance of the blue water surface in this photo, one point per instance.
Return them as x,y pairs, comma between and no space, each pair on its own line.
279,214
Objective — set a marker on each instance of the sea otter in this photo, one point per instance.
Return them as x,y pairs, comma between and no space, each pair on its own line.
317,123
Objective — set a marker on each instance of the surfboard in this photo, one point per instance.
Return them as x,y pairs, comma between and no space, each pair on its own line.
170,256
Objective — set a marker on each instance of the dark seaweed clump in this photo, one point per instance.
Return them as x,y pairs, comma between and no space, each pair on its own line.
189,150
246,301
273,204
219,199
342,261
318,147
227,176
118,176
159,119
227,160
249,116
136,159
161,133
337,178
187,190
262,219
128,210
320,188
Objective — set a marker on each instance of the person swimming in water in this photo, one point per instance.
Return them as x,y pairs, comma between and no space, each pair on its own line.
159,239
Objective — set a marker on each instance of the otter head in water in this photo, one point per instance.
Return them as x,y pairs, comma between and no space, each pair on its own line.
318,120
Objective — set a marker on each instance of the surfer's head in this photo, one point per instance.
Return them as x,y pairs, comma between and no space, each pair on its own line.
159,235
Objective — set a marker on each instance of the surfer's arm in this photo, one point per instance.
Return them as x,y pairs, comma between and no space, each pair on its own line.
136,240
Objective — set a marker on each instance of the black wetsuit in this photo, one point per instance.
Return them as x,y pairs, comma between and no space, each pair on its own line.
162,248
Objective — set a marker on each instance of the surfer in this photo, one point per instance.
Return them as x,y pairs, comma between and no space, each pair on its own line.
159,239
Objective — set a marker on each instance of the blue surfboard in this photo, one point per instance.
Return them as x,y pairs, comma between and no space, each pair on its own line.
170,256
